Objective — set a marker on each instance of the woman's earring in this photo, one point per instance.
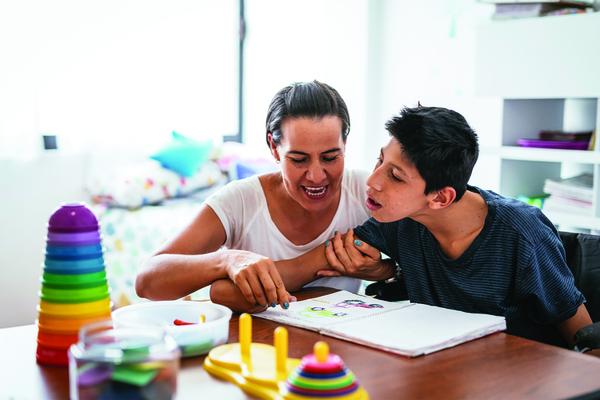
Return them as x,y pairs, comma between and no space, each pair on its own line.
276,161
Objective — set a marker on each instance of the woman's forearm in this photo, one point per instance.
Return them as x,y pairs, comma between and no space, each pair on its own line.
172,276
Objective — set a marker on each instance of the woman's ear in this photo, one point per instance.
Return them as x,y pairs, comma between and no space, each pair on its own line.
273,146
442,198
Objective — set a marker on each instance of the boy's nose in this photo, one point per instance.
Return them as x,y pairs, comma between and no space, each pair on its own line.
374,181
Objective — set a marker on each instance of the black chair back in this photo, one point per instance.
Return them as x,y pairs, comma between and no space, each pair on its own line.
583,259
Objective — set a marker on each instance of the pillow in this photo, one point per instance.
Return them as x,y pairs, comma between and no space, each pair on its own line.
183,155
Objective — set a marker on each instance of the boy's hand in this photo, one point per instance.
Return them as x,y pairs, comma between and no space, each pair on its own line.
351,257
257,278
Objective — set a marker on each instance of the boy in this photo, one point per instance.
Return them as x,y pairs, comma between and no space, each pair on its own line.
459,246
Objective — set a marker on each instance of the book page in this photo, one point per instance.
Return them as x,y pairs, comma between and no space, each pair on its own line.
321,312
419,329
408,329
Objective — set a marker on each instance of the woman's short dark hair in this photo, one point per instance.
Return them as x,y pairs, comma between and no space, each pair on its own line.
439,143
314,100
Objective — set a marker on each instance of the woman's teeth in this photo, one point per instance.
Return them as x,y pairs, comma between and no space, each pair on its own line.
315,191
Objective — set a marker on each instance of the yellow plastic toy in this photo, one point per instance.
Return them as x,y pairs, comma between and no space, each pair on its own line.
266,371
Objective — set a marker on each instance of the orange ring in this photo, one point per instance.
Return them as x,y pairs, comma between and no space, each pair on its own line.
75,311
53,341
66,326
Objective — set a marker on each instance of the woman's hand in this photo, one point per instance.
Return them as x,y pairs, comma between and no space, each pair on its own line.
351,257
257,278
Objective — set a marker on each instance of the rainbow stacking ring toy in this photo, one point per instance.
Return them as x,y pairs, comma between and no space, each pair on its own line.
322,375
74,289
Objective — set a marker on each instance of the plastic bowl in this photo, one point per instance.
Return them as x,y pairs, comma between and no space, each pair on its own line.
74,311
73,281
73,296
194,339
73,217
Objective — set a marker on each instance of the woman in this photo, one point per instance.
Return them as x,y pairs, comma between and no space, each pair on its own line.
276,216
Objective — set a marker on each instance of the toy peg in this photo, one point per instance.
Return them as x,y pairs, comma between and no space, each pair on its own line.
201,319
245,337
281,350
321,350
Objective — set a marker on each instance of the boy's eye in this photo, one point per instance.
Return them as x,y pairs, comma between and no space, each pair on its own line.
394,177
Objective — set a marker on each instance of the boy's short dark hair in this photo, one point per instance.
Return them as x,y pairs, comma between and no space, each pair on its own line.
439,143
306,100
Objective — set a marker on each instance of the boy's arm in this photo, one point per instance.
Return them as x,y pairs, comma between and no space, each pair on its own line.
349,256
297,272
227,293
568,327
294,274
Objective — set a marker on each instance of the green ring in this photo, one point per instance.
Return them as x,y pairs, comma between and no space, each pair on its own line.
296,380
75,281
70,296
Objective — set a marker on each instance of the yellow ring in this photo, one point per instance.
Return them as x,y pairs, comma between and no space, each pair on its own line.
74,311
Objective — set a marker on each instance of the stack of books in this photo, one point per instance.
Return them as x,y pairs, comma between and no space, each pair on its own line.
570,195
511,9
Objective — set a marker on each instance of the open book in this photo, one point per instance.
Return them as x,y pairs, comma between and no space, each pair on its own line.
407,329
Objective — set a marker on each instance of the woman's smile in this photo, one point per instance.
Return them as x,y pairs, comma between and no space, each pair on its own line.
316,192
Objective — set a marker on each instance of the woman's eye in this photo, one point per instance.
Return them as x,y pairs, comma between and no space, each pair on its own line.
297,161
329,159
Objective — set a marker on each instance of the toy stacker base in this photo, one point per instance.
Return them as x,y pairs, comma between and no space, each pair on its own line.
258,376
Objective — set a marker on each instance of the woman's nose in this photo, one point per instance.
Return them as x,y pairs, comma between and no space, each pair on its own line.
316,173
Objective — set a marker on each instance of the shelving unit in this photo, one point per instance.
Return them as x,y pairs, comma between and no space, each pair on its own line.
547,71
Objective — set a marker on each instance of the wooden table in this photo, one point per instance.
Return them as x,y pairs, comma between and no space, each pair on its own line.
498,366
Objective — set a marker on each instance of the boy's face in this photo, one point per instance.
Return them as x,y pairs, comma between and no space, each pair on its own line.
396,189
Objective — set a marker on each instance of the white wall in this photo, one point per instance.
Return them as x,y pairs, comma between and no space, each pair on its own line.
379,54
31,191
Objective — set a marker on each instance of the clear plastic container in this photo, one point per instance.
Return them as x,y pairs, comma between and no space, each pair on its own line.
111,361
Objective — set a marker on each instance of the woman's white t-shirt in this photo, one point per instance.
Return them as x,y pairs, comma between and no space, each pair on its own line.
242,208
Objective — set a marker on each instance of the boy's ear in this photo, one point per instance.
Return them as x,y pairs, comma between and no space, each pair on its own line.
442,198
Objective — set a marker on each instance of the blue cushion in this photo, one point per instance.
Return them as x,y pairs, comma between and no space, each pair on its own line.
183,155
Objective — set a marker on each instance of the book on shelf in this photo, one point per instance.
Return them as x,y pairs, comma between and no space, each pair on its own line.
408,329
578,187
565,3
568,205
527,10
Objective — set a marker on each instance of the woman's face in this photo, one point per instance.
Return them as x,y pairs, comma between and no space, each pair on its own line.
311,153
